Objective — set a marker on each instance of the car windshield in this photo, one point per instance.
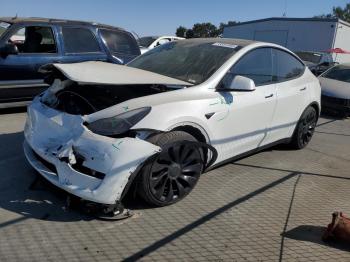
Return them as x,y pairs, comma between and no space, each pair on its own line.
314,58
146,41
3,27
189,60
340,73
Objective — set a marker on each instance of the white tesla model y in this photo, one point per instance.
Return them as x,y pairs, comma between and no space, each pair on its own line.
167,117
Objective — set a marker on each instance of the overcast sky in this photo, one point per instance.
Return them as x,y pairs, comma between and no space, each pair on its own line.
162,17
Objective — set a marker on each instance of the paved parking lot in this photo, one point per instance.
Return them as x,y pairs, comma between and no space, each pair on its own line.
271,206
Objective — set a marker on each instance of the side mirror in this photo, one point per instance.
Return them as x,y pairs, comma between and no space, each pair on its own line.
8,49
242,83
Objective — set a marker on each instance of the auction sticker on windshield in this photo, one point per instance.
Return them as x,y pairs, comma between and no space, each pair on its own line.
225,45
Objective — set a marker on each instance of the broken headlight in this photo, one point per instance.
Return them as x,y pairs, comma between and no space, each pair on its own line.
118,124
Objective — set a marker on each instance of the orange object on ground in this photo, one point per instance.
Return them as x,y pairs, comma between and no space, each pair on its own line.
339,229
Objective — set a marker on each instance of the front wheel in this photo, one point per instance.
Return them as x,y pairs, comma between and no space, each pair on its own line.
305,128
171,175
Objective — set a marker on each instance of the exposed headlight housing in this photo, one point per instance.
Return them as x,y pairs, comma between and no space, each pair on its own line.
118,124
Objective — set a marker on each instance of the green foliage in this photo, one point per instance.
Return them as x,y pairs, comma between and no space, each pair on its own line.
203,30
189,33
181,31
342,13
338,12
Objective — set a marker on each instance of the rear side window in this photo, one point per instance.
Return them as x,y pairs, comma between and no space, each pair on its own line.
79,40
256,65
120,42
286,66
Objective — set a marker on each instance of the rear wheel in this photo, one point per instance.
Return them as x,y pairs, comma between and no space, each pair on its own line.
305,128
171,175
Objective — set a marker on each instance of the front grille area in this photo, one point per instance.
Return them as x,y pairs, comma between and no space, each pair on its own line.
78,166
87,171
47,164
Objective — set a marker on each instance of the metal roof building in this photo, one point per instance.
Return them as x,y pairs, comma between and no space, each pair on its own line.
297,34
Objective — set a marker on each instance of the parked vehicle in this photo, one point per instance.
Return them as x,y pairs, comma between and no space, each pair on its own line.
28,43
317,62
335,84
168,116
149,42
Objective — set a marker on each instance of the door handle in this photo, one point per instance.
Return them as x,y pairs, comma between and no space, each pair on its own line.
269,96
303,89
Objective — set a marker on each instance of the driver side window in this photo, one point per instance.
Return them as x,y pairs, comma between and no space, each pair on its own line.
256,65
34,39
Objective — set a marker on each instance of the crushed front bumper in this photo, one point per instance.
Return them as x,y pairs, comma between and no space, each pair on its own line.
90,166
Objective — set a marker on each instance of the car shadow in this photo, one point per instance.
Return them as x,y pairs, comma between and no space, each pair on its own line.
313,234
331,115
13,110
24,192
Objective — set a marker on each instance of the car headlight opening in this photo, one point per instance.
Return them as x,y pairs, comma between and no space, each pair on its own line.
118,124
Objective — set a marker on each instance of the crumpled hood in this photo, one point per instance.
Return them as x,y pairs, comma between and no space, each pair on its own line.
112,74
335,88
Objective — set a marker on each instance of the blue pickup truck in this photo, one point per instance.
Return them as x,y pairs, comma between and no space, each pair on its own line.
26,44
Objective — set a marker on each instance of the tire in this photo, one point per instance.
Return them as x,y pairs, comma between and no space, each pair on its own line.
305,128
171,175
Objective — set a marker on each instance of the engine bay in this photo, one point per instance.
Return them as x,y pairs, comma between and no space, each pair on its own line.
78,99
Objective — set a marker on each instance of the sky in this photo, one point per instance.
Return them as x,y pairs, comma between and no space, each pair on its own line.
162,17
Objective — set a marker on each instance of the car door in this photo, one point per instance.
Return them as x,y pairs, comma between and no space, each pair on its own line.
81,44
242,119
19,78
292,94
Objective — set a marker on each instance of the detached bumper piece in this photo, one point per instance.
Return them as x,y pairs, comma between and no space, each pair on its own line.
105,212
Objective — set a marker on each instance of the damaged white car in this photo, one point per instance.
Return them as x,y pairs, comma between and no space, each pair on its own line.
167,117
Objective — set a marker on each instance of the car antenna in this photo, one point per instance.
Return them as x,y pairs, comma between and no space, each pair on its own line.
15,17
285,8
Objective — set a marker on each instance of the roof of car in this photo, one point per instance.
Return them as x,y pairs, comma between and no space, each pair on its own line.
230,41
15,20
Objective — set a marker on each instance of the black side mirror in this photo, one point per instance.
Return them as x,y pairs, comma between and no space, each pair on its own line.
8,49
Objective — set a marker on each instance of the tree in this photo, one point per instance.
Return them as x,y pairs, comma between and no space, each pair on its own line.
338,12
204,30
342,13
189,33
181,31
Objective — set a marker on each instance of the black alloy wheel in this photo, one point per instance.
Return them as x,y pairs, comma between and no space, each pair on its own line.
305,129
172,174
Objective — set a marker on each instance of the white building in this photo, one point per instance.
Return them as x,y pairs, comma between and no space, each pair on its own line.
297,34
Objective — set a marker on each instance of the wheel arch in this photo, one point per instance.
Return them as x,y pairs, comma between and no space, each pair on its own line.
196,132
317,107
